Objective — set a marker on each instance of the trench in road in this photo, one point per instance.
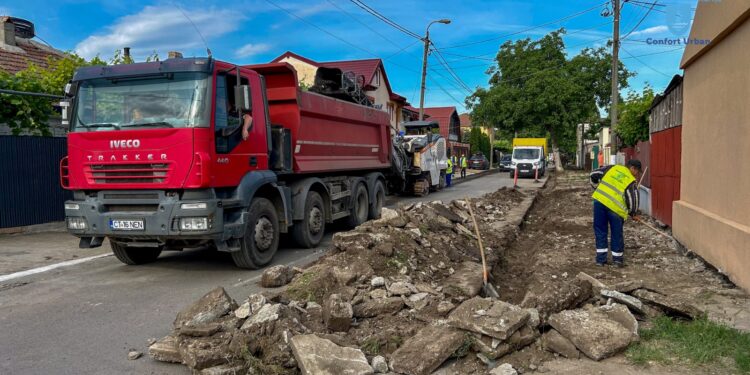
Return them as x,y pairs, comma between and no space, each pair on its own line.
85,318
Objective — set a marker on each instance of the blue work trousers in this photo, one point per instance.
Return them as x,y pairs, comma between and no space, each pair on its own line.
606,220
448,179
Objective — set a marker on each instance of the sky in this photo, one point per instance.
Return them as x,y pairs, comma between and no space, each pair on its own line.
256,31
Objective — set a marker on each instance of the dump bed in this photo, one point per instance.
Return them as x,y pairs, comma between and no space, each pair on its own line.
538,142
328,135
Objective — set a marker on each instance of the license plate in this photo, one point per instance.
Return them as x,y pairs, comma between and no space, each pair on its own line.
127,224
525,170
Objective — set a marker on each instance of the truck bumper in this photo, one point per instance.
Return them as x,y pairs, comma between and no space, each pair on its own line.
157,215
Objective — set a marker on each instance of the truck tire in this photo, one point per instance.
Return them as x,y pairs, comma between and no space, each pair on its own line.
261,239
309,232
360,206
377,205
134,255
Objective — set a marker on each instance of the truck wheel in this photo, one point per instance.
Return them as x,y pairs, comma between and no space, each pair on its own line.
261,239
360,206
308,232
134,255
377,205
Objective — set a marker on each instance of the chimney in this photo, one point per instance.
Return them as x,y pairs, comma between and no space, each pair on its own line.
7,31
126,52
174,55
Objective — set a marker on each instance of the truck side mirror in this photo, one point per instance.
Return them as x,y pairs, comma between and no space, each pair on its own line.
242,98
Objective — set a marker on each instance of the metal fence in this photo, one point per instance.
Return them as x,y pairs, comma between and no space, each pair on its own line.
30,191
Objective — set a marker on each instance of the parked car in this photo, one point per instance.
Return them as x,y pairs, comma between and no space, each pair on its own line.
505,163
478,161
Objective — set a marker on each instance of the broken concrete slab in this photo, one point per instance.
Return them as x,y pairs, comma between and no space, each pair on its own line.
227,369
592,332
631,302
554,342
492,318
401,288
627,286
379,364
350,273
203,330
568,295
250,306
337,313
165,350
621,314
377,281
134,354
276,276
467,281
504,369
211,306
427,350
596,285
267,313
375,307
317,356
445,307
203,352
670,305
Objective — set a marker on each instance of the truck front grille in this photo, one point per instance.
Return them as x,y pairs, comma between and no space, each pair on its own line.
146,173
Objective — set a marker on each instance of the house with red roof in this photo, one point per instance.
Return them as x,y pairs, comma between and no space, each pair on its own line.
369,71
18,50
450,128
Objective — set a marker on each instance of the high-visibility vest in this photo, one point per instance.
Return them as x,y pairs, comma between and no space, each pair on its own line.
464,162
449,170
611,189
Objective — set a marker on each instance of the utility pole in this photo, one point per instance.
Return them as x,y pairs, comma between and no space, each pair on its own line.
615,66
426,41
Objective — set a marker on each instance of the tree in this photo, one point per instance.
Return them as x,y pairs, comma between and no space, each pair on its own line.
537,91
633,124
31,114
479,142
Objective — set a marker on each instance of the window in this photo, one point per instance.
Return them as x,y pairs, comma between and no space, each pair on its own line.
226,117
376,78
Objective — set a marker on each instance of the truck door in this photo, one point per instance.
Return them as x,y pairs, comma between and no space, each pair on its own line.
236,156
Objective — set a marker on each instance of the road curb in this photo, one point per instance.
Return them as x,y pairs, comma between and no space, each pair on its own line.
473,176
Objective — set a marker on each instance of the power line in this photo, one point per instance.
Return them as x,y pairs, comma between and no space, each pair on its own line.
385,19
641,21
574,15
646,65
447,66
656,53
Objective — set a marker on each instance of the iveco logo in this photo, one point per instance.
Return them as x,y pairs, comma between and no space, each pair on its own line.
124,143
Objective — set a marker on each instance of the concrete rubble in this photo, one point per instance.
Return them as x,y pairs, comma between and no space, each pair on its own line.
402,294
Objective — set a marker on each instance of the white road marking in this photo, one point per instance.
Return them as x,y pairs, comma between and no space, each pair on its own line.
51,267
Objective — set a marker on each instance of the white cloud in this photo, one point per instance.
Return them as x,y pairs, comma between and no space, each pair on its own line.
651,30
252,49
161,29
5,11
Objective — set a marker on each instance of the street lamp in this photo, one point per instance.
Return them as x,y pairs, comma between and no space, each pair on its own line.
426,41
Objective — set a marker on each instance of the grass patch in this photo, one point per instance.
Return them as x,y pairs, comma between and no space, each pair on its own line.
696,343
398,260
466,345
371,346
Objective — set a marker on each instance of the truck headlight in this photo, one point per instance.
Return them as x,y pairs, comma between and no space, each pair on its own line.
512,164
76,223
194,206
194,223
71,206
536,163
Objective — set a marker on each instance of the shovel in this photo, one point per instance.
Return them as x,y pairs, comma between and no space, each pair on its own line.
488,290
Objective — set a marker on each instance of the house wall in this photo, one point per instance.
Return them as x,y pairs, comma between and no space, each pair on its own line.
711,217
305,72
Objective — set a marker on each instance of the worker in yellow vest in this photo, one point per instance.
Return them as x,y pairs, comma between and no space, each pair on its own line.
464,165
448,173
615,198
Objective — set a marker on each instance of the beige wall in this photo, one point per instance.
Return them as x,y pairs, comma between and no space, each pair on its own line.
712,216
714,20
305,72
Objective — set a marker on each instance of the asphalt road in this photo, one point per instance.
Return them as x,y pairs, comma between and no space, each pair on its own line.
83,319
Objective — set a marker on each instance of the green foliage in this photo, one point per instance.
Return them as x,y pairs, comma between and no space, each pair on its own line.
23,113
479,142
503,145
697,343
633,123
536,91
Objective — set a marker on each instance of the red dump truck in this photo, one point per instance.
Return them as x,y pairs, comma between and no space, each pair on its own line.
157,160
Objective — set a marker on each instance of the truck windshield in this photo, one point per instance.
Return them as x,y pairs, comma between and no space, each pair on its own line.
166,101
525,153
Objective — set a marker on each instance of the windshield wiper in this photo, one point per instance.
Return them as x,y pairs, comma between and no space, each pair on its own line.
159,124
101,125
